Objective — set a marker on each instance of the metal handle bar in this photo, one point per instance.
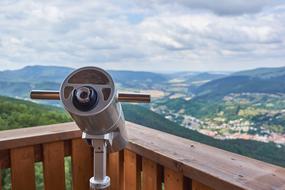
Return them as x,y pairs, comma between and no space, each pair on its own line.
122,97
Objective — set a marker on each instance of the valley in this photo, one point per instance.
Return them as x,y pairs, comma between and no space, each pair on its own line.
242,105
255,116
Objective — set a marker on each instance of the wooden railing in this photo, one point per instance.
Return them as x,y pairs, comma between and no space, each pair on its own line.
153,160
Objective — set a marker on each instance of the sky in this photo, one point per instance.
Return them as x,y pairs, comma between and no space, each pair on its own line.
149,35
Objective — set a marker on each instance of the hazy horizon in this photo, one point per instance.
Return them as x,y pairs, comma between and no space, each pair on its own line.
162,72
157,36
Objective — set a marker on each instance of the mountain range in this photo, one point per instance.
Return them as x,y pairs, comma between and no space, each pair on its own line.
204,86
18,83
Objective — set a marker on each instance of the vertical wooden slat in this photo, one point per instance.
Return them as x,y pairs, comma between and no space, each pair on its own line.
82,169
199,186
54,175
121,171
0,179
114,167
139,171
172,180
132,171
23,169
187,183
151,175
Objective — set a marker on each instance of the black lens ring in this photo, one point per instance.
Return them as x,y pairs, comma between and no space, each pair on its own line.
86,106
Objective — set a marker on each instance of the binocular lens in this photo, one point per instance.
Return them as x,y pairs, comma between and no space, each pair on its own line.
84,98
82,95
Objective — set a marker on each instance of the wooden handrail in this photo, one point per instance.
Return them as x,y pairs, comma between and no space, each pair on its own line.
16,138
211,166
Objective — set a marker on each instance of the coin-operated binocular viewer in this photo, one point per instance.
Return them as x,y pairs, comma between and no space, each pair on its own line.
90,97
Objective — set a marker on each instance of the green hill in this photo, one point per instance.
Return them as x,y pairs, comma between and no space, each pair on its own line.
34,74
262,72
261,80
241,84
18,113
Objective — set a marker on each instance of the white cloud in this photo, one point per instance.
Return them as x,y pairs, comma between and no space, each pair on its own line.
191,35
220,7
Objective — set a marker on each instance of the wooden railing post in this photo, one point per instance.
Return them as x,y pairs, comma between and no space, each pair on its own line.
54,174
22,168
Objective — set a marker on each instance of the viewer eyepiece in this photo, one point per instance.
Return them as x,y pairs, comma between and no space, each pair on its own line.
82,94
84,98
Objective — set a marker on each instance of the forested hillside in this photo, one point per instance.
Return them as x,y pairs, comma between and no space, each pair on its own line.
241,84
18,114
